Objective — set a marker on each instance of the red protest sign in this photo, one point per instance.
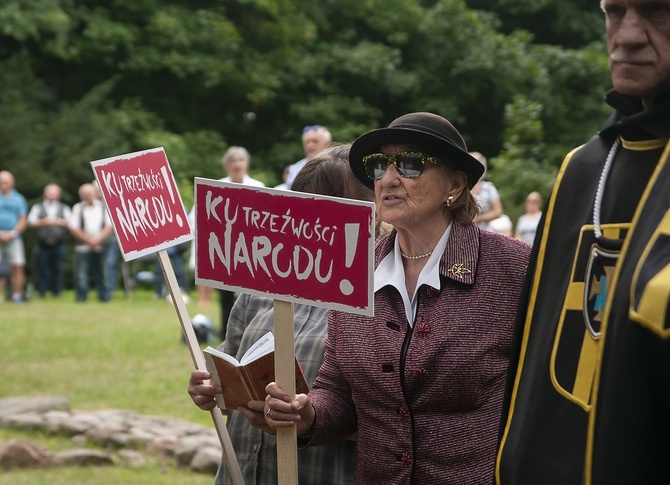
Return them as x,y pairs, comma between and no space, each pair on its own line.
303,248
143,202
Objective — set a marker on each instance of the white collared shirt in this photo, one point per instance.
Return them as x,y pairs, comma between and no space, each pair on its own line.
392,272
51,209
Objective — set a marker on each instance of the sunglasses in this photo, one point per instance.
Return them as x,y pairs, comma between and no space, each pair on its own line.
310,128
408,164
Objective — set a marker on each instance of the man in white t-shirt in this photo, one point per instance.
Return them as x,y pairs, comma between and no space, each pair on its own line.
90,225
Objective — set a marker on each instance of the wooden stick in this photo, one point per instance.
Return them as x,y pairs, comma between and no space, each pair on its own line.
287,446
199,362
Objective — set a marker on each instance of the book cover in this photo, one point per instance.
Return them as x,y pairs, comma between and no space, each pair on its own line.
245,380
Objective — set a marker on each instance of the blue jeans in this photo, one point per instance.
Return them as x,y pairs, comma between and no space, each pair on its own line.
90,267
50,268
111,259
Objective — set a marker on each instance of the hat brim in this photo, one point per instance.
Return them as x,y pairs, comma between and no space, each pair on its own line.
372,142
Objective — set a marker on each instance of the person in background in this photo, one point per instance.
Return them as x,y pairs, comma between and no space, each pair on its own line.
526,225
111,252
90,225
284,177
422,380
589,391
487,196
236,162
50,219
13,210
326,173
502,225
176,254
314,139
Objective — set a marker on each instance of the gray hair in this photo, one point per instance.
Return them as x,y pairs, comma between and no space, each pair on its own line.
321,130
233,152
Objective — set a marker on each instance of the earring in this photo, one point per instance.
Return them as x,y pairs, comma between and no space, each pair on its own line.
450,200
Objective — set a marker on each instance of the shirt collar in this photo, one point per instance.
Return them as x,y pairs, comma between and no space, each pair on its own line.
391,271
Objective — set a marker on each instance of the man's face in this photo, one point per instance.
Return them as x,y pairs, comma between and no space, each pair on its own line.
638,42
313,141
52,192
6,182
87,194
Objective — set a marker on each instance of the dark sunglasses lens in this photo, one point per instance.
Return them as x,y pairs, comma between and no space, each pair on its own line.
376,165
409,164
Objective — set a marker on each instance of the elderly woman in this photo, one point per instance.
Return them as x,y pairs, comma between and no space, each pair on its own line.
422,380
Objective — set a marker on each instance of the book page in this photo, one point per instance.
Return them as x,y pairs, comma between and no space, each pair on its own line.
222,355
263,346
228,376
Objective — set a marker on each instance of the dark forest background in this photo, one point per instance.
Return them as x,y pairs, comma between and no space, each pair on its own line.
81,80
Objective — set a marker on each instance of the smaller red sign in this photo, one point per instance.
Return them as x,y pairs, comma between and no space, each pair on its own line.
143,202
285,245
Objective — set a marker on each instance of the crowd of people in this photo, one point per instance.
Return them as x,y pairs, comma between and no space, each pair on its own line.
87,222
497,353
96,251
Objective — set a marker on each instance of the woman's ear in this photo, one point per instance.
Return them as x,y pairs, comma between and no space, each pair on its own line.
458,181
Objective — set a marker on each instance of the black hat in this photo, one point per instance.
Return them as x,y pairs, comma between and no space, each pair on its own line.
426,131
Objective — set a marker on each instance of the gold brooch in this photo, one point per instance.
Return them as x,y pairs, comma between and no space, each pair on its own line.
458,270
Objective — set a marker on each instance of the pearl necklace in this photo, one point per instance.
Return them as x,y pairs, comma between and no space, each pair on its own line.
420,256
600,191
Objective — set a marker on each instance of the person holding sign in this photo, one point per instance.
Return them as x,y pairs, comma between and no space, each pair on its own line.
421,381
326,173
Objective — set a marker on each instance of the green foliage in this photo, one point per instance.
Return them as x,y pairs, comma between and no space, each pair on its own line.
84,80
525,164
569,23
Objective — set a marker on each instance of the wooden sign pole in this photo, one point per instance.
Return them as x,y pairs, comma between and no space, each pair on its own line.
287,446
199,362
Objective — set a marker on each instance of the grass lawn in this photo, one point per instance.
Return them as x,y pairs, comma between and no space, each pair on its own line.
125,354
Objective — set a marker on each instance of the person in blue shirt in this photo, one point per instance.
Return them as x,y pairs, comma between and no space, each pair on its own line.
13,211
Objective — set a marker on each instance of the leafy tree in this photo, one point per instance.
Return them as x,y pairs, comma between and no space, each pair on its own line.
568,23
82,80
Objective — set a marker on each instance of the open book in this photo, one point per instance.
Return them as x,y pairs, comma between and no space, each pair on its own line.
245,380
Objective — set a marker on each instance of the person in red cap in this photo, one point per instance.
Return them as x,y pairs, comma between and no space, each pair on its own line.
422,380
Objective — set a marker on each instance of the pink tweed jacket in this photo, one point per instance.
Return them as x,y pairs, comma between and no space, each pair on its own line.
426,400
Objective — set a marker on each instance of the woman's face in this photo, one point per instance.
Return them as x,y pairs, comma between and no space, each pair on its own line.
237,168
533,204
409,203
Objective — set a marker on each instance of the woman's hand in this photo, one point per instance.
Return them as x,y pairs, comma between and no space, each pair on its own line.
281,412
253,412
203,395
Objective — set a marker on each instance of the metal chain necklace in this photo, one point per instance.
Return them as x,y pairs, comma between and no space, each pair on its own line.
600,192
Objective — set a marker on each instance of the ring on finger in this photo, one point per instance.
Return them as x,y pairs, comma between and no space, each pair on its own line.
269,413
